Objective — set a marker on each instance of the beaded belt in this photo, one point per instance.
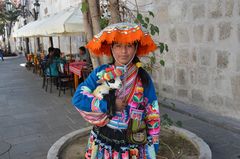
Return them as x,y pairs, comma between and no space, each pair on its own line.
111,136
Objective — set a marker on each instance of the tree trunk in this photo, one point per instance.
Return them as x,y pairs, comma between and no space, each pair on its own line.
87,23
8,37
89,32
114,10
94,16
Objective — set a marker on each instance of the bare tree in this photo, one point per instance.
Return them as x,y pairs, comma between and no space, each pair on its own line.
92,22
89,29
8,17
95,16
94,9
114,10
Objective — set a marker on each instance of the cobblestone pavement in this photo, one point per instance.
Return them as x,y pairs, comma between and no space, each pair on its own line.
31,120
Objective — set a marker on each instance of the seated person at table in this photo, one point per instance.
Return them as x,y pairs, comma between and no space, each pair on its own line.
50,53
83,55
53,63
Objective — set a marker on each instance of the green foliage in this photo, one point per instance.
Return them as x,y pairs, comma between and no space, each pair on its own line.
162,62
179,123
2,17
2,28
151,13
146,19
8,17
166,47
162,47
153,29
12,16
166,121
103,22
140,18
84,7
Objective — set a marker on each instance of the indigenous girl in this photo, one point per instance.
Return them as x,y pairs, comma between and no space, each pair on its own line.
136,98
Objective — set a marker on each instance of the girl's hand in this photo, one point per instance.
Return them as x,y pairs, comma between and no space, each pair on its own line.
120,104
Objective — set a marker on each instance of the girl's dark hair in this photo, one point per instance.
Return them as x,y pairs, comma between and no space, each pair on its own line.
141,72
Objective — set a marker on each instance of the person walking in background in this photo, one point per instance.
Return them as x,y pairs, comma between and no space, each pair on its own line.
1,54
135,100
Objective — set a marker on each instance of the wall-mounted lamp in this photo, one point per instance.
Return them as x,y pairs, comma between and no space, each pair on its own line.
36,9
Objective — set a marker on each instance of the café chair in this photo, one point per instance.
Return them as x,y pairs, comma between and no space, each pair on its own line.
65,79
48,76
29,62
36,64
85,72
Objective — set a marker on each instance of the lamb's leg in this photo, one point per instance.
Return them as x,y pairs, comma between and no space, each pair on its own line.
111,99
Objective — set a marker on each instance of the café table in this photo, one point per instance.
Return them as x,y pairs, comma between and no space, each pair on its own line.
76,69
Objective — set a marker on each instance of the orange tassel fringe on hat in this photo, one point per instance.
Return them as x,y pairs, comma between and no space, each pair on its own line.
124,33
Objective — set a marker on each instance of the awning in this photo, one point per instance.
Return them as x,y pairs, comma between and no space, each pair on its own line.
23,31
69,21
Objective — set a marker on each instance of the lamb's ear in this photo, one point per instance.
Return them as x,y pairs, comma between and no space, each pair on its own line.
100,81
100,74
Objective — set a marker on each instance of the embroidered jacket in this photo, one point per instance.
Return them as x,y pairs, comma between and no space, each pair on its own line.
84,100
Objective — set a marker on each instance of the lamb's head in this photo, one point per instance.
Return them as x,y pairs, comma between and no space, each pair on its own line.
111,77
114,83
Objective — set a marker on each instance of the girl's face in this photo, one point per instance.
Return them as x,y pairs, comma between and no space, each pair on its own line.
123,53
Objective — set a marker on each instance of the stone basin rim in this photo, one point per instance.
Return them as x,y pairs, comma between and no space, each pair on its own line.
59,145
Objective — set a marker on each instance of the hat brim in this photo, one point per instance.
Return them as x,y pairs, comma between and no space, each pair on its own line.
100,45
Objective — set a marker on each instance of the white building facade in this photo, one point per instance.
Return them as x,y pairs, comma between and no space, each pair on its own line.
203,63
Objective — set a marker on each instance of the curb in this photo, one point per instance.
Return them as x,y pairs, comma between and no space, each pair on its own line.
203,148
12,57
59,145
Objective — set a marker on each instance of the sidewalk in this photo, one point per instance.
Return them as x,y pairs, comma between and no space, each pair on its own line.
31,120
223,143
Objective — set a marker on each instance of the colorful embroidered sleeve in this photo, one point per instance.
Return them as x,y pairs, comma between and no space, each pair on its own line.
83,98
152,114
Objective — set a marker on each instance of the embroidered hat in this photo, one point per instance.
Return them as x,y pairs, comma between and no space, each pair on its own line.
124,33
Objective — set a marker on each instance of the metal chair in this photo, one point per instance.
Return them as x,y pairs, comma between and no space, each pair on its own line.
85,72
65,79
47,75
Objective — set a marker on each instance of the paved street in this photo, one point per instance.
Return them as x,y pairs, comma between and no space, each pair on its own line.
31,120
